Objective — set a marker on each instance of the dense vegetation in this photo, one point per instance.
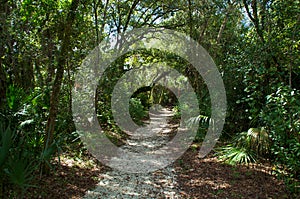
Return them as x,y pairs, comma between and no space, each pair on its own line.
254,43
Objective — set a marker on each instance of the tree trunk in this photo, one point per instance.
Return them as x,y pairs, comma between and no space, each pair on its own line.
61,60
3,34
3,87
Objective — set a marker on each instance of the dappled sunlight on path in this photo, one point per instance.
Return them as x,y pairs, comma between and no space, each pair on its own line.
158,184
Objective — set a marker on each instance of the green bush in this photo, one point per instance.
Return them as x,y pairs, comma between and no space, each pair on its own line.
17,163
281,116
233,154
203,122
22,152
255,139
246,147
137,110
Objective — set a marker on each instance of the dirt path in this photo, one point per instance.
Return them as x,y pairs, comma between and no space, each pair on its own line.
158,184
113,184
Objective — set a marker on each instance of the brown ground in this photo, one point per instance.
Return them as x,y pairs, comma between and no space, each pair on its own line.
69,180
209,178
197,178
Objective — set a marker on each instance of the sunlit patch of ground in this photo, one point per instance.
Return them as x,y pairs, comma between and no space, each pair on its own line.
70,178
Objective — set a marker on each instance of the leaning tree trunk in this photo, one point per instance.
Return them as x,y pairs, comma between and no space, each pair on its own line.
61,61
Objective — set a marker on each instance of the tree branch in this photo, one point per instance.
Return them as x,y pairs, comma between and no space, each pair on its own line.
129,14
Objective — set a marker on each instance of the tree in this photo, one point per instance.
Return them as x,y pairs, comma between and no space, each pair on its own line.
60,67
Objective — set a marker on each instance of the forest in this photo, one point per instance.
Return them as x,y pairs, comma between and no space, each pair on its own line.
254,45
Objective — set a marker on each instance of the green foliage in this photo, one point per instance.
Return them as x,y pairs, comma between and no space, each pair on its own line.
203,122
21,141
137,110
282,118
17,163
246,147
144,98
256,139
177,113
20,173
233,155
6,141
262,68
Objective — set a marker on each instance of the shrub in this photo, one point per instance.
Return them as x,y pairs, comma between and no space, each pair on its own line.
137,110
246,147
281,116
21,141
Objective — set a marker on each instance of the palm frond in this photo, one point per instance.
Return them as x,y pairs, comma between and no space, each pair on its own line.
236,155
200,119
